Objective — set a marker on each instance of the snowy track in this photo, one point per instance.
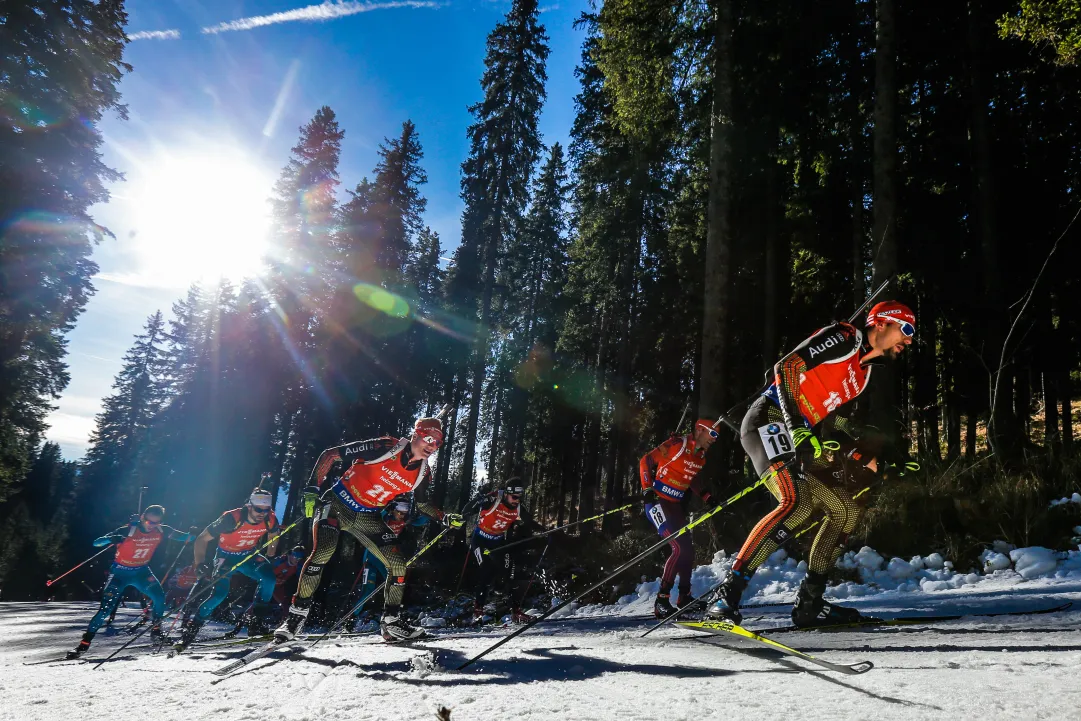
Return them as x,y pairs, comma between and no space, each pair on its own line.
1022,667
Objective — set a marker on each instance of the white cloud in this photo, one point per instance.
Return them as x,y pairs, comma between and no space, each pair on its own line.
314,13
547,8
155,35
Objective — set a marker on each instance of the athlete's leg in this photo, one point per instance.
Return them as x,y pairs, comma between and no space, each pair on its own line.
325,531
842,515
259,570
221,590
668,517
115,586
147,584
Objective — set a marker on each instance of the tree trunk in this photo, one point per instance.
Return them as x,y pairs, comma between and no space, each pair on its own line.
970,436
1067,410
1052,436
883,392
770,333
712,375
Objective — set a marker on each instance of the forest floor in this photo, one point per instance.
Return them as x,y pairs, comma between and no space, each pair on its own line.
592,665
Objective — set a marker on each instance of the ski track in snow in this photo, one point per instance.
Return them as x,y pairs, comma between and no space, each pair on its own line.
593,666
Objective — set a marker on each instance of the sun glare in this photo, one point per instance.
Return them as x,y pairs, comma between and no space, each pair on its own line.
200,217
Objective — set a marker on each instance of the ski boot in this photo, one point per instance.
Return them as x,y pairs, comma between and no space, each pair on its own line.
293,623
725,606
156,634
662,607
394,627
812,610
82,647
187,636
520,616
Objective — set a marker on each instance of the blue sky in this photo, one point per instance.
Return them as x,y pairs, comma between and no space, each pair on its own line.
216,95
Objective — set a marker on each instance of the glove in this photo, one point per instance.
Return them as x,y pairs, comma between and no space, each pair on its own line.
804,435
649,495
452,520
117,539
134,519
204,570
310,495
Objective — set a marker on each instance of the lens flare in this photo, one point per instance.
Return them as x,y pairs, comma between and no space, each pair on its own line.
382,300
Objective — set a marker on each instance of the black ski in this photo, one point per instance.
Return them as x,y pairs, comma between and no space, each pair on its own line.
720,628
255,655
913,620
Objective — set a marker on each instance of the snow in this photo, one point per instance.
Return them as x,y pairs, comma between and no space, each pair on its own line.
1075,498
593,664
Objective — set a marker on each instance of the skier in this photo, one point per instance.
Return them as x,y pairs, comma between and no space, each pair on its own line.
810,384
237,532
667,473
372,474
135,546
499,516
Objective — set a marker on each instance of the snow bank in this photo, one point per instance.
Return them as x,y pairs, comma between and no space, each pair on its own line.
780,577
1075,498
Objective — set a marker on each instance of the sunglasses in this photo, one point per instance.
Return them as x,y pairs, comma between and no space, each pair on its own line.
711,431
432,440
260,510
148,522
907,328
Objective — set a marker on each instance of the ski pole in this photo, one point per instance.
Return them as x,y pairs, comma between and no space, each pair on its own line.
461,576
74,568
656,546
210,586
360,604
488,552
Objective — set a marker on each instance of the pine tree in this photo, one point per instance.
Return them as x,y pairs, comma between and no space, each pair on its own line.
504,146
60,63
109,488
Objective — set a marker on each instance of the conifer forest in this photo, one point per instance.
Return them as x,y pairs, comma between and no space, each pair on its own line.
738,175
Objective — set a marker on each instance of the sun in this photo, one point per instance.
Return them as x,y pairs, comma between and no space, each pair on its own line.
201,216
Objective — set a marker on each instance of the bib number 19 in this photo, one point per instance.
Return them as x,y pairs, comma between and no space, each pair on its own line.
776,441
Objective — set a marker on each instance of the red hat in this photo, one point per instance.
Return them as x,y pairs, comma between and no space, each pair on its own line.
432,427
893,311
707,423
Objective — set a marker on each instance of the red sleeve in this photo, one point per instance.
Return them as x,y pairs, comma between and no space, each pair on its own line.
648,465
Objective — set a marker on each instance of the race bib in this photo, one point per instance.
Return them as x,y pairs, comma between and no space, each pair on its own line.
656,515
776,441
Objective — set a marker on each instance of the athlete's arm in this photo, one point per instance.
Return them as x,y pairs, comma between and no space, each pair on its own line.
210,533
174,535
108,538
272,536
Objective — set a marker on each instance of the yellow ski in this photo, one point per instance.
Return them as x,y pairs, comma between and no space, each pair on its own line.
720,628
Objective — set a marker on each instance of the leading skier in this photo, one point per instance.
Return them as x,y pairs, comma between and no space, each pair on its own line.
780,434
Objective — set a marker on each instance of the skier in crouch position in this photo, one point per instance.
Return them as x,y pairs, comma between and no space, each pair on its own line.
499,514
238,532
372,474
135,547
824,372
667,473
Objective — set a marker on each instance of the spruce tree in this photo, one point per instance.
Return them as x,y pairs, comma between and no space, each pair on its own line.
504,146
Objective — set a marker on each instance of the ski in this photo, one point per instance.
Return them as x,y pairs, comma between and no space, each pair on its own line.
719,628
255,655
914,620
